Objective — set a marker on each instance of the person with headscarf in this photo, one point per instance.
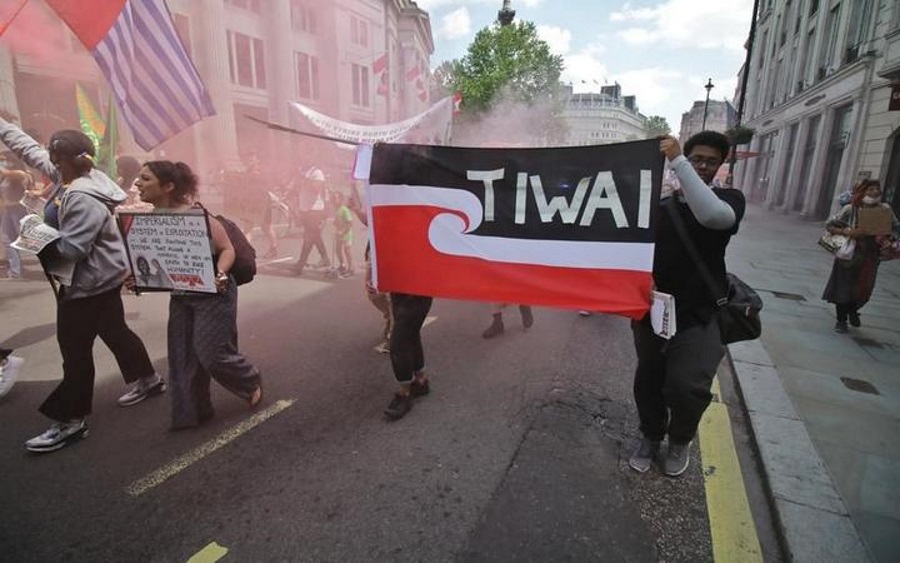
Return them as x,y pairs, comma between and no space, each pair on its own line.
90,265
851,281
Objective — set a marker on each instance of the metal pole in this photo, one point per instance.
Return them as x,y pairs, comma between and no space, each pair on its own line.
709,86
744,78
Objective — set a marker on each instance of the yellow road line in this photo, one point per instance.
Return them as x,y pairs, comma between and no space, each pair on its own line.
209,554
144,484
731,524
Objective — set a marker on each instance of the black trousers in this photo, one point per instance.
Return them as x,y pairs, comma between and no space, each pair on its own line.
312,222
407,356
78,323
843,310
673,379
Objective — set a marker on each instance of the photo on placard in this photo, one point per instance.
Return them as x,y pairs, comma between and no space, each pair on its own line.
169,251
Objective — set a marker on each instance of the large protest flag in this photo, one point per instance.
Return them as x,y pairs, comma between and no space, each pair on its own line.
139,52
564,227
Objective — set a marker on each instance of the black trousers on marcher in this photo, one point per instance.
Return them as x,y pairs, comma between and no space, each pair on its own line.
407,355
78,323
313,222
673,379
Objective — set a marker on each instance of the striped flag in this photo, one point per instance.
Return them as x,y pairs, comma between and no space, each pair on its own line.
154,81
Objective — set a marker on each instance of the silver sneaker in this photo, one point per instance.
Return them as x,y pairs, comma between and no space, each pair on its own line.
677,459
57,436
142,391
642,458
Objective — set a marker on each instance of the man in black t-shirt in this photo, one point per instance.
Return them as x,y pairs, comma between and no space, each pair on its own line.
673,377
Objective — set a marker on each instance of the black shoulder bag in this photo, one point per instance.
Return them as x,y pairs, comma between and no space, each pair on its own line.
739,307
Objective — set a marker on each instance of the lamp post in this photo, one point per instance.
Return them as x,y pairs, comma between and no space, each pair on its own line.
709,86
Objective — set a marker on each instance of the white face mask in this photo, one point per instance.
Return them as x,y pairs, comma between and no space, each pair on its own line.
869,200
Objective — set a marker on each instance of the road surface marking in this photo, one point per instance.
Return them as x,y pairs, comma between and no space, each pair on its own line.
730,520
143,485
209,554
278,260
428,321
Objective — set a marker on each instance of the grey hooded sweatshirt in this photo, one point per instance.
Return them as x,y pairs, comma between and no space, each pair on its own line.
89,237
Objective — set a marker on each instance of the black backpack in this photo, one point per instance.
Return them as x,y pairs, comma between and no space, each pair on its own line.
244,268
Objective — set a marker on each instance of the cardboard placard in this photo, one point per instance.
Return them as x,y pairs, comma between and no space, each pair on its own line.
875,220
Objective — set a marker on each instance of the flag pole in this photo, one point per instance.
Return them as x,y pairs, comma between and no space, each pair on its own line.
286,129
6,25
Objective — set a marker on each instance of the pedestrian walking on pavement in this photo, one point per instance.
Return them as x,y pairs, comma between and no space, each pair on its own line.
673,378
87,265
202,330
851,281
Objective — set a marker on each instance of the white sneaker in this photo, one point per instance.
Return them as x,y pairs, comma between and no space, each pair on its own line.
57,436
9,373
141,391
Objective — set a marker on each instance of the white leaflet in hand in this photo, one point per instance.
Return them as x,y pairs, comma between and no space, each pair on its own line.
34,234
662,314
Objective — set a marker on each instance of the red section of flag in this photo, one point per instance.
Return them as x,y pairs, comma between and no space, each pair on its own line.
89,25
380,64
413,73
408,263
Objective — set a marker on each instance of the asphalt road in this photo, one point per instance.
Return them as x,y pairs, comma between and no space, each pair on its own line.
518,454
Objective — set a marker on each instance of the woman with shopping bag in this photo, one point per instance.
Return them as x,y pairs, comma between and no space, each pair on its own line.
853,275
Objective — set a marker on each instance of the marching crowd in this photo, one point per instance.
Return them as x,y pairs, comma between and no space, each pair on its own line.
673,378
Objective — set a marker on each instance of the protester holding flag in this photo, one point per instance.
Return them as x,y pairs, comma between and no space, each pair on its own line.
407,355
89,301
673,377
202,333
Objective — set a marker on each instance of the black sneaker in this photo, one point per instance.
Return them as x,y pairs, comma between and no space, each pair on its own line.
854,319
677,459
841,327
642,458
399,406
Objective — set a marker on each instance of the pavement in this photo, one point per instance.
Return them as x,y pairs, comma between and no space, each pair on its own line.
824,407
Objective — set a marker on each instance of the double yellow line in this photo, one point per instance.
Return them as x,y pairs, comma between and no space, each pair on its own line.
731,526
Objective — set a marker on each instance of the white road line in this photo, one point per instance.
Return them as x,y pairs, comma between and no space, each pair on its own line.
144,484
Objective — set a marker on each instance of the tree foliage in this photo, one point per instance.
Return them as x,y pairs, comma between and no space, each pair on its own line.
657,125
508,69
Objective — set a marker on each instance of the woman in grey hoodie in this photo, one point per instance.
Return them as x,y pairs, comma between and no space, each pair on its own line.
87,265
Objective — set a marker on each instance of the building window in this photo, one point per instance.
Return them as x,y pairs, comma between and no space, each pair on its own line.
809,151
813,7
856,33
359,31
360,85
303,18
307,75
252,5
247,60
831,36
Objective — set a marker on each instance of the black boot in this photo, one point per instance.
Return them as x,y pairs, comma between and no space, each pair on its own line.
496,327
527,317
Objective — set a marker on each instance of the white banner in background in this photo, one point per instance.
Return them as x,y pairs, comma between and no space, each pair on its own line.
431,127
